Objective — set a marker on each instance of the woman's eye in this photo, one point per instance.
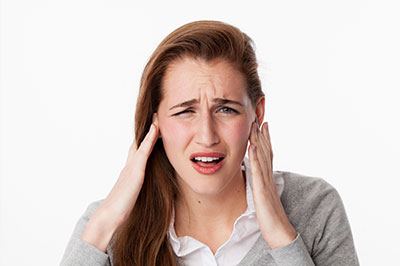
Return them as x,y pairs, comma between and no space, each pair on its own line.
184,112
227,110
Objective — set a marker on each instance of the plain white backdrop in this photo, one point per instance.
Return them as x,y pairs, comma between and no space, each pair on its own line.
70,73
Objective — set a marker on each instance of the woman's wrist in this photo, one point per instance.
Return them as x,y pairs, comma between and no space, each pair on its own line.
281,238
100,229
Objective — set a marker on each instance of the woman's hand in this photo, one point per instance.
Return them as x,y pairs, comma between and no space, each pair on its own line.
117,206
274,224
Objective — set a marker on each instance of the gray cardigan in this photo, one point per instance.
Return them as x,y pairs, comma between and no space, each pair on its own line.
312,205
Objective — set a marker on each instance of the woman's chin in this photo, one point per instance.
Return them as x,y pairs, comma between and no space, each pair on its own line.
207,185
206,188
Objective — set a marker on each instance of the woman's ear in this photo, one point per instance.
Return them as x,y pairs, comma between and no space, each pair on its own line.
155,121
260,108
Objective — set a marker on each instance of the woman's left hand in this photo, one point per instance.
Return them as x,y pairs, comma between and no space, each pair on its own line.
274,224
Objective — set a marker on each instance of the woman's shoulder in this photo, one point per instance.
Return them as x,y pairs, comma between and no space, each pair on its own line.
92,207
304,187
306,197
311,203
316,211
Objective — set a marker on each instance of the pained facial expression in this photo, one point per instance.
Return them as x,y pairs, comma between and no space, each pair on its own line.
205,112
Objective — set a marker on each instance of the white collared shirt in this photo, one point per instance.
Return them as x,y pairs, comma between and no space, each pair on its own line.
244,235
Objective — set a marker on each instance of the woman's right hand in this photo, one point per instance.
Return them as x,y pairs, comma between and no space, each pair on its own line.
117,206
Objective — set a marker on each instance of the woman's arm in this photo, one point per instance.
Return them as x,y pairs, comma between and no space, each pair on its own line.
96,229
274,224
117,206
317,212
79,252
325,237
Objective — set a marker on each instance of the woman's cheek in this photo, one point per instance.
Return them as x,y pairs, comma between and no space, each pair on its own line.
174,133
238,132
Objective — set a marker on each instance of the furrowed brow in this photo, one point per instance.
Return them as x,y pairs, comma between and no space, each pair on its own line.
185,104
226,101
220,101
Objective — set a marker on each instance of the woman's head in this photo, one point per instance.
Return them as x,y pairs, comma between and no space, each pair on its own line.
213,45
205,114
206,40
222,58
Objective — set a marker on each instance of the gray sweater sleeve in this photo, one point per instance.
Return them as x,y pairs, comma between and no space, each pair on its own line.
79,252
333,244
294,254
316,210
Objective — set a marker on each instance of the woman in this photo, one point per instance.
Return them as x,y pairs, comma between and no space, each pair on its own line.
187,195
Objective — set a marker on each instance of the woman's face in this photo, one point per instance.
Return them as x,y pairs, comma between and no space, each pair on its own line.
205,119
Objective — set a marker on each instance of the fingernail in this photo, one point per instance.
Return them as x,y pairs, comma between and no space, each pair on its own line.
264,127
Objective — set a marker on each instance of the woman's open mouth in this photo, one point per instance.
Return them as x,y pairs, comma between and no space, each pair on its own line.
207,163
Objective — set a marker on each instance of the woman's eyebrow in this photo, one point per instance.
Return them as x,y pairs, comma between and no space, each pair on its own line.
215,100
185,104
226,101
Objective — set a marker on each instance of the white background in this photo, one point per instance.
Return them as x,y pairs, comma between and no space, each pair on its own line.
70,72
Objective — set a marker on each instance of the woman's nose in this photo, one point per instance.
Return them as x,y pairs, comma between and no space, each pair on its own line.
206,134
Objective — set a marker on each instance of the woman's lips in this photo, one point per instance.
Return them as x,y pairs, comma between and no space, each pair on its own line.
207,168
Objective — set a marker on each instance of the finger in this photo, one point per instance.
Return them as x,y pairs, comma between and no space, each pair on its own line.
258,139
263,137
262,152
265,131
265,161
143,151
133,147
254,138
266,148
253,134
132,151
255,168
147,144
260,160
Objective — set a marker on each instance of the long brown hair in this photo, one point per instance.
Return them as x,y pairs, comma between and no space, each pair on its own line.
142,239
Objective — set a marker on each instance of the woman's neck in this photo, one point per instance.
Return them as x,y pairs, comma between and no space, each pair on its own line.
210,218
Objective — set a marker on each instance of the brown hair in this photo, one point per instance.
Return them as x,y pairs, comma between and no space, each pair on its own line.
142,239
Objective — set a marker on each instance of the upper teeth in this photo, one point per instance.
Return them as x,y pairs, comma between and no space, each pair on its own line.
206,159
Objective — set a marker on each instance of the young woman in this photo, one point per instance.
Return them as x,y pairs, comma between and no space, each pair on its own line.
187,195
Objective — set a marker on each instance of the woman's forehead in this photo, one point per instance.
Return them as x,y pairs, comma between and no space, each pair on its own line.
197,79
